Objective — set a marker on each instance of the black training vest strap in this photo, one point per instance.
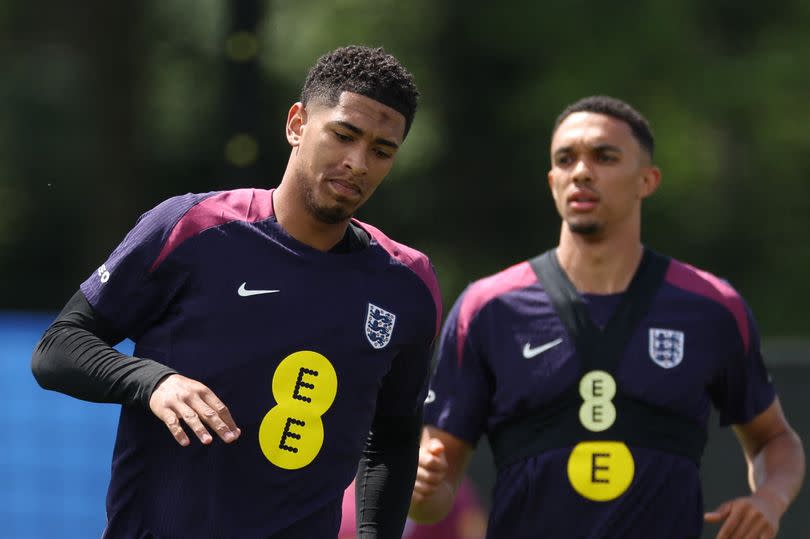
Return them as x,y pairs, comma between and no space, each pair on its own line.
637,422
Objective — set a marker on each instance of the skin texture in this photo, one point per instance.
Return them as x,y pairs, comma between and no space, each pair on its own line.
598,179
340,155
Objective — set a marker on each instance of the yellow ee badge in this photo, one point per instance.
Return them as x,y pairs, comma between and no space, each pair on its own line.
304,387
601,471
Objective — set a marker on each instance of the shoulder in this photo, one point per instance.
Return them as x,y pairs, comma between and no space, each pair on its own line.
407,256
707,285
186,216
196,212
487,289
416,261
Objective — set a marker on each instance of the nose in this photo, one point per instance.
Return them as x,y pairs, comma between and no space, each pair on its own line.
355,160
581,172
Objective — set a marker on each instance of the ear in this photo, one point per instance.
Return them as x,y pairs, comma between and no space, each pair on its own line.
551,186
296,118
650,180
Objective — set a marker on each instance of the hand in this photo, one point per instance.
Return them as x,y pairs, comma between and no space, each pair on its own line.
177,397
432,470
750,517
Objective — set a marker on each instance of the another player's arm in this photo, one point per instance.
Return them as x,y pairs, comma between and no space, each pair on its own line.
75,357
443,461
776,470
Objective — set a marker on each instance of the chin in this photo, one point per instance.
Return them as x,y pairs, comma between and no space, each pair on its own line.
331,215
330,212
588,228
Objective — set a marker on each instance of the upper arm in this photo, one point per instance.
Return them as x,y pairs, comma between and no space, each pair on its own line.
462,385
130,290
457,452
404,387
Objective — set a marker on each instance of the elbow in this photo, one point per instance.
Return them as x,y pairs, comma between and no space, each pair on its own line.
40,364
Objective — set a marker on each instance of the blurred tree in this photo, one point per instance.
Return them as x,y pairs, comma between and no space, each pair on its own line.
107,109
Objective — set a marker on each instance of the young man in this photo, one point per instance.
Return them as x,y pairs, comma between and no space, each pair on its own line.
287,336
592,369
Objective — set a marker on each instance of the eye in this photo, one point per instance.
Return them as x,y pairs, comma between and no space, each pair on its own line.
382,154
342,137
562,160
606,157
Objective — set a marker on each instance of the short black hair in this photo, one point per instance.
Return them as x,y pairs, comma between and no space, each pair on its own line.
616,108
367,71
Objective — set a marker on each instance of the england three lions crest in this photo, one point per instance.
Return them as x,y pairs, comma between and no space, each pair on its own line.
666,347
379,326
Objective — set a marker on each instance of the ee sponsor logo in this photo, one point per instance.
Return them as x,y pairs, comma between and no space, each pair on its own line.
304,387
599,470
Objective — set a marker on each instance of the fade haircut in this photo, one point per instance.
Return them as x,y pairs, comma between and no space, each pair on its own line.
616,108
370,72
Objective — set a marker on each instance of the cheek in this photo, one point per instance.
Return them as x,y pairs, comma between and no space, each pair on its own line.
381,168
556,187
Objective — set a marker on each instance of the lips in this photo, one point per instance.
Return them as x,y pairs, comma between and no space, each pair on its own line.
344,187
583,201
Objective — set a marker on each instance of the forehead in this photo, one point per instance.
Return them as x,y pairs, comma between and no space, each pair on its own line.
367,114
589,129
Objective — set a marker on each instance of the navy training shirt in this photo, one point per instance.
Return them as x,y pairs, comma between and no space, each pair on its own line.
505,353
304,347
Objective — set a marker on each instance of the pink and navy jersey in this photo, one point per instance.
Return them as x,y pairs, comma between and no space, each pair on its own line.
505,353
305,348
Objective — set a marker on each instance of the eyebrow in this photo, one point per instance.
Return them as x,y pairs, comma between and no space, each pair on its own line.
357,131
598,148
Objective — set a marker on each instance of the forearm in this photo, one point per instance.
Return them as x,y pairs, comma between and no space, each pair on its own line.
776,471
385,477
74,358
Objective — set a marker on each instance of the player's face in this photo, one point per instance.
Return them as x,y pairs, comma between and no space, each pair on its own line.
599,173
342,152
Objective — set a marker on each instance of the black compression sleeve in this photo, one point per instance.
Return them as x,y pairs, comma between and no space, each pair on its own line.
386,475
75,357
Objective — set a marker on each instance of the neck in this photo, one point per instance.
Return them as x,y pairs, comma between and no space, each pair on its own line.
293,216
599,266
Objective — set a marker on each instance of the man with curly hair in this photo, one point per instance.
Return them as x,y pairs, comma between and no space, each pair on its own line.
593,367
291,339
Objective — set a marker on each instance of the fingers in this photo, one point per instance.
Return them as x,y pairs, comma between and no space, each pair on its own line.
191,419
177,400
432,469
173,424
435,447
218,417
742,518
713,517
432,459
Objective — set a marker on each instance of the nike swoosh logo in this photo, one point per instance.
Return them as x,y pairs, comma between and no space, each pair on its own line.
244,292
529,352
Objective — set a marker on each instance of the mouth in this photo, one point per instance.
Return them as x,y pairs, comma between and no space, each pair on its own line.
582,201
344,188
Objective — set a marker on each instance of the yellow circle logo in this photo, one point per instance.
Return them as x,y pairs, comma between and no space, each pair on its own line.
304,387
601,471
597,412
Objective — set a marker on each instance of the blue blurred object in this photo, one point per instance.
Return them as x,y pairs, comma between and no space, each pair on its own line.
56,452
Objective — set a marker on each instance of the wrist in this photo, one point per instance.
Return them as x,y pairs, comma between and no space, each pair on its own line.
434,507
774,500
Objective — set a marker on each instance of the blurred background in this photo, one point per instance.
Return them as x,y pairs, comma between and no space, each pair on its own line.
107,108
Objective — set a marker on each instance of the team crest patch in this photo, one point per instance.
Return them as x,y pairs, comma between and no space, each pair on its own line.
379,326
666,347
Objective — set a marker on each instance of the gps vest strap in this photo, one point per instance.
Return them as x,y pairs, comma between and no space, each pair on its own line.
637,423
